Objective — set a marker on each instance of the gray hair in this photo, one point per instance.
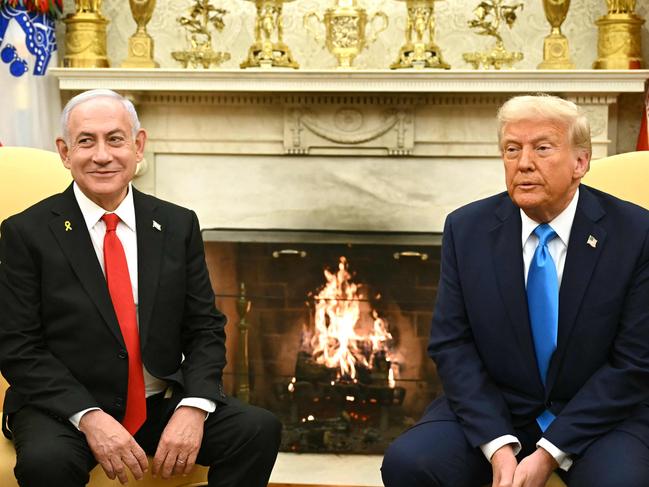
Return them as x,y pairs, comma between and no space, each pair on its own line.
547,107
92,94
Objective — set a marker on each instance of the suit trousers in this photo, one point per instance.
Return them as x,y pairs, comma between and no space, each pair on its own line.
240,445
437,454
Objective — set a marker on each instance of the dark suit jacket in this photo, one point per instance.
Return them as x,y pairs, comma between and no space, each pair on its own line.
481,340
61,347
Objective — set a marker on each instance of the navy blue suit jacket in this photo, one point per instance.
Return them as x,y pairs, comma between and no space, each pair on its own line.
481,341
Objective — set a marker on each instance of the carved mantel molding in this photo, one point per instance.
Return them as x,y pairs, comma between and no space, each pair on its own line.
253,149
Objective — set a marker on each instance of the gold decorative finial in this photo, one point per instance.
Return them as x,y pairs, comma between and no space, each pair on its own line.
197,24
140,44
556,54
489,17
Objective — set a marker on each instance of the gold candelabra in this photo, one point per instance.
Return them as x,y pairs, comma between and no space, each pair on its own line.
618,45
197,24
556,54
269,50
420,50
346,25
140,44
490,15
85,36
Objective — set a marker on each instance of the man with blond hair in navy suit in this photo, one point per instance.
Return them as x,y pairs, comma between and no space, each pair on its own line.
541,327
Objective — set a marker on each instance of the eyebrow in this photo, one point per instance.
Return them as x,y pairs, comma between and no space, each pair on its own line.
536,140
91,134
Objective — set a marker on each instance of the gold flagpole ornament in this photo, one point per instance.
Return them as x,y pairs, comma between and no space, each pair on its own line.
489,17
269,50
346,26
420,50
85,36
556,54
140,44
618,43
197,24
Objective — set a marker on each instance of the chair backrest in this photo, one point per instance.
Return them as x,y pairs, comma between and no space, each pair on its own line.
27,176
623,175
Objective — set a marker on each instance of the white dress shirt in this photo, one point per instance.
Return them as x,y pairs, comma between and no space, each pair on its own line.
126,232
558,248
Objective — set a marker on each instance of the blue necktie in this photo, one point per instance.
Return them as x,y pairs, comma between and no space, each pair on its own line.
543,304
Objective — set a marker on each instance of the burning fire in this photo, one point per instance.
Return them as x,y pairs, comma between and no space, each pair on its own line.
347,331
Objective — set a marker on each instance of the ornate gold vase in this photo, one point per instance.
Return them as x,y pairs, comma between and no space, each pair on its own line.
618,43
85,36
346,25
420,50
269,49
140,44
556,54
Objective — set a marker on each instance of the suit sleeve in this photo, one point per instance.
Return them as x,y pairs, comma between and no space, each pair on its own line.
472,395
203,328
27,364
619,387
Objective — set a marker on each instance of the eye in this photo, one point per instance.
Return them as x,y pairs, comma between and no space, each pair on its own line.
116,139
511,150
84,141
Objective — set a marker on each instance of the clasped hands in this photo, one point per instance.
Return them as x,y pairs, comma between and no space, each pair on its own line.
533,470
116,450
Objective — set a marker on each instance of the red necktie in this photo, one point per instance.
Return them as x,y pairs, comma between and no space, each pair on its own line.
121,294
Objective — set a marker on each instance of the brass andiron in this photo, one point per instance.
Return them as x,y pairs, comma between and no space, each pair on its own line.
420,50
556,54
242,378
269,49
489,17
197,24
618,43
346,30
140,44
85,36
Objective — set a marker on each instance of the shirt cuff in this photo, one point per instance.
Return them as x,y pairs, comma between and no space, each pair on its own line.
560,456
488,449
200,403
75,419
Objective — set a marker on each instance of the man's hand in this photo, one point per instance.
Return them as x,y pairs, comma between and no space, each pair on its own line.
535,469
179,443
113,447
503,465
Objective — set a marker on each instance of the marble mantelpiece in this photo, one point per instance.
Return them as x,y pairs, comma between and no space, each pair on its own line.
336,150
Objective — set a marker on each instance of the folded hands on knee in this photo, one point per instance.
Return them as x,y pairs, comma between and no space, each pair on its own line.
533,470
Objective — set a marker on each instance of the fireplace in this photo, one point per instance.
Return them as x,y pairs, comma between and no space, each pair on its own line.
338,325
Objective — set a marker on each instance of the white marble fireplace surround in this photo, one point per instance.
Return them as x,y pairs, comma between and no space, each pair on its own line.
391,151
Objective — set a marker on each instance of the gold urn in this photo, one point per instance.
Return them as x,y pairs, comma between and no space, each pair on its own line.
140,44
618,43
556,53
346,27
85,36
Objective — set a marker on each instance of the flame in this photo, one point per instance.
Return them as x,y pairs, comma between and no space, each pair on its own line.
340,310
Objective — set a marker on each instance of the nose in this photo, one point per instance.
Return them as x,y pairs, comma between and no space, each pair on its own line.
526,159
102,154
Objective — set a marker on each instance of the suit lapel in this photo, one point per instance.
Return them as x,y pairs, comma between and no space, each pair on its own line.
508,267
580,263
151,228
70,231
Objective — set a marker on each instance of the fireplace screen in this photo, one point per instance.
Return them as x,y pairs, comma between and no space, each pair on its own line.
334,333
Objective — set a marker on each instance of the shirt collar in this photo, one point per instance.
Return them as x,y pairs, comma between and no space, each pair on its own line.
562,223
92,212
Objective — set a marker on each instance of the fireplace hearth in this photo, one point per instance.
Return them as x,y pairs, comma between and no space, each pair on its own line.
337,330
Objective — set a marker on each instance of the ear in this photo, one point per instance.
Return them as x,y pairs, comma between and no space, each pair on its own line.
140,142
582,163
63,149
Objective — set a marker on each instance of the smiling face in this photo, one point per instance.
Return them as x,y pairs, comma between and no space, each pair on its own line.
542,169
100,152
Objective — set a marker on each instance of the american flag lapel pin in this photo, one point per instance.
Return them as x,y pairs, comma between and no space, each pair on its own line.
592,241
157,226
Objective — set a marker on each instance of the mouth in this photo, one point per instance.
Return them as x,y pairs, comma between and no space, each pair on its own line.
526,186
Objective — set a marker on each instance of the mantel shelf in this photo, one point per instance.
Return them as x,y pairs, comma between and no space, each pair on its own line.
567,82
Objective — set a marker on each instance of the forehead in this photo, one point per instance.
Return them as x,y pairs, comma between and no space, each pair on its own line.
534,129
99,114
